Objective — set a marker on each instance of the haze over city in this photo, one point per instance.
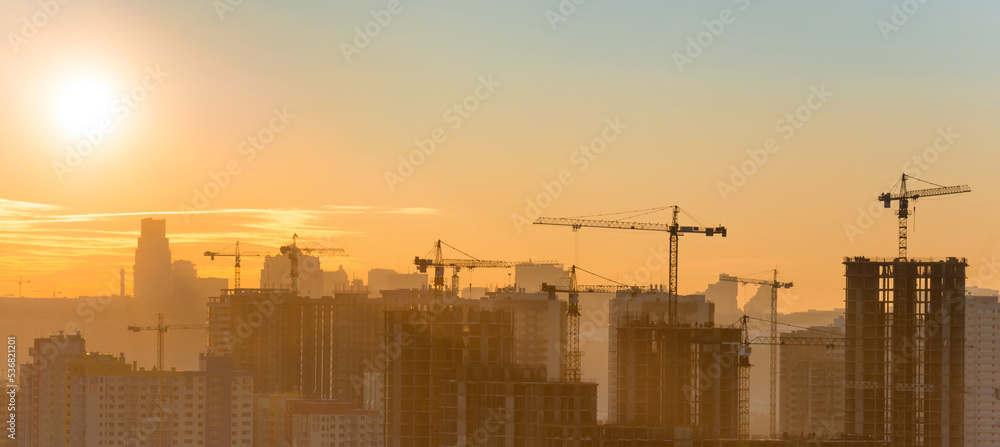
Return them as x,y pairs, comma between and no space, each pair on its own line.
381,127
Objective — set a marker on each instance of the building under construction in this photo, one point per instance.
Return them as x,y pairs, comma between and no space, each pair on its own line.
904,372
675,376
425,348
315,347
499,406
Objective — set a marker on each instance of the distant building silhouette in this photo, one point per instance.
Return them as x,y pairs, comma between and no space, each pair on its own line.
151,272
380,280
336,281
529,276
276,274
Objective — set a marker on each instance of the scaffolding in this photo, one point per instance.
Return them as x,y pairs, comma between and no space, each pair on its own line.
676,376
905,352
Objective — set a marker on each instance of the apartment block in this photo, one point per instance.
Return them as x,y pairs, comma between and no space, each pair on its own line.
982,368
90,399
811,385
539,327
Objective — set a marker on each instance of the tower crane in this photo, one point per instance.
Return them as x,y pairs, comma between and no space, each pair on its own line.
161,329
904,196
573,355
675,230
773,341
293,252
20,284
774,285
743,400
439,263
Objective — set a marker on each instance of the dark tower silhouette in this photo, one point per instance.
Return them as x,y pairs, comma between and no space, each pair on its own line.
151,272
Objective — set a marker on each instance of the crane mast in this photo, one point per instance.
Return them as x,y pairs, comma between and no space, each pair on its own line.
674,229
572,372
774,285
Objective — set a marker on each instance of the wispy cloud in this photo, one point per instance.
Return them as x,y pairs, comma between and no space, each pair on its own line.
33,231
412,211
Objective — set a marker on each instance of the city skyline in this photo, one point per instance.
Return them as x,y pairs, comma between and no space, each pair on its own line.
578,223
542,116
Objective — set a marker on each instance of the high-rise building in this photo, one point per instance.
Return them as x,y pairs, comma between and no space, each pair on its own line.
42,396
151,272
811,385
905,354
341,338
318,348
675,376
261,330
424,349
88,399
982,368
652,305
539,328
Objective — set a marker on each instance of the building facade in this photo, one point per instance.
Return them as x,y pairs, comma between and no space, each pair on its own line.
811,385
982,368
675,376
88,399
904,371
539,328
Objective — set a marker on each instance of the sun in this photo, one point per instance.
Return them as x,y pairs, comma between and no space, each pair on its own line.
82,102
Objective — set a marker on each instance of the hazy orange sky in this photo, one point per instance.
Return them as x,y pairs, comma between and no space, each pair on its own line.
665,119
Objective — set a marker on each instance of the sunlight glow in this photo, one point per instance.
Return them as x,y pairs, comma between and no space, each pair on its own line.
82,102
